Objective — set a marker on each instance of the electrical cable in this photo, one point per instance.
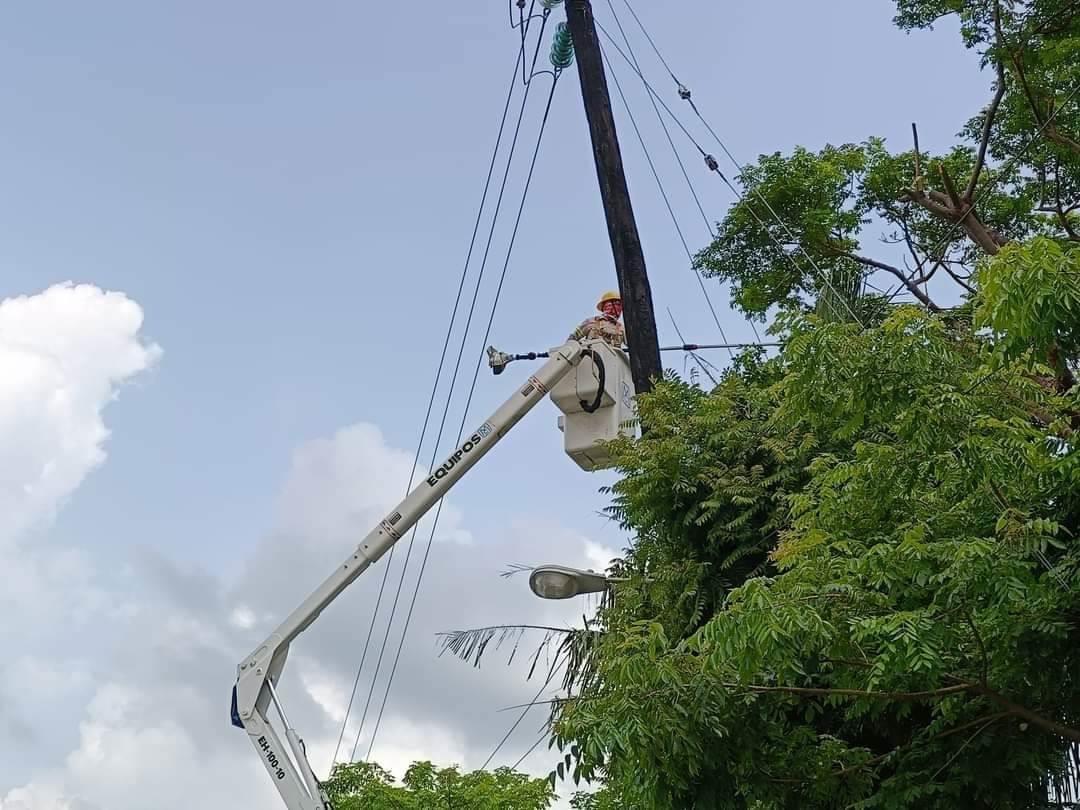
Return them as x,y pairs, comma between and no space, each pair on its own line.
710,161
685,94
525,710
656,50
453,382
663,124
434,390
468,402
533,747
663,193
691,352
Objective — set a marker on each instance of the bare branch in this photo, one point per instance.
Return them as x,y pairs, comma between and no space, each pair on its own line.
991,114
1061,139
942,205
950,187
912,287
957,278
918,182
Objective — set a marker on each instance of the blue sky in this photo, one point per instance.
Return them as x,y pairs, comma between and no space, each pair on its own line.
287,194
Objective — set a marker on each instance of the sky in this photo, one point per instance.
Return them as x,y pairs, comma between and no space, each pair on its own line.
230,239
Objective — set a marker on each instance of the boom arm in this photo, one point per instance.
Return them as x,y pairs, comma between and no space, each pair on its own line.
259,673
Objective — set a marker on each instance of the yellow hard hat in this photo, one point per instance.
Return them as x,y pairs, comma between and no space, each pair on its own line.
611,295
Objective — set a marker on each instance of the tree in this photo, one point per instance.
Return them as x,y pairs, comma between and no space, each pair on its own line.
855,580
366,786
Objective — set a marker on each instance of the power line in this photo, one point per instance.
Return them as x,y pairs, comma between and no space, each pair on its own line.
691,352
468,402
453,382
667,202
660,118
684,93
663,124
533,747
656,50
524,711
710,161
434,388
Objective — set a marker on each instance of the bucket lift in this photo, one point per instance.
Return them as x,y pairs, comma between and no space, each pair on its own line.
588,381
603,378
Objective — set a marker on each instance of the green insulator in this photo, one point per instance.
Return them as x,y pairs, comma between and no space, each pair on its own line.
562,48
550,4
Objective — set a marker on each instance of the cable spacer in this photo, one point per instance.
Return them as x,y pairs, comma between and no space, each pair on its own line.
710,161
684,92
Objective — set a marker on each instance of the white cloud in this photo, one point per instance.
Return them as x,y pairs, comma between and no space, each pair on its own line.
39,796
64,353
599,556
150,711
33,678
242,618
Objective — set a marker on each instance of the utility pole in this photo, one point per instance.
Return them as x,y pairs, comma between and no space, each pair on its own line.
622,229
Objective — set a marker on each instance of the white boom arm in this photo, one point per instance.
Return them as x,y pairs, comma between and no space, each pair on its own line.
259,673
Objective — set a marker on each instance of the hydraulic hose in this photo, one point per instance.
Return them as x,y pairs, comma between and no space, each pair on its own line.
592,407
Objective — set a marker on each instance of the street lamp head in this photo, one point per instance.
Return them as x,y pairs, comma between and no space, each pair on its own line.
560,582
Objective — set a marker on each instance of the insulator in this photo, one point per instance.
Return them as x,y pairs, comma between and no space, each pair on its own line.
550,4
562,48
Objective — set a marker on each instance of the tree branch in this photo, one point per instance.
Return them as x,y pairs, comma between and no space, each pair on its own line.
912,287
1046,125
950,207
1034,718
950,187
807,691
982,647
991,114
1060,138
957,278
918,182
1059,209
984,722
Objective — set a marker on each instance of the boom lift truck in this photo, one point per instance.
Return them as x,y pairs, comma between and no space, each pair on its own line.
588,381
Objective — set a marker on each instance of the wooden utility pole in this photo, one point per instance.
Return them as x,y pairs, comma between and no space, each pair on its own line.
622,229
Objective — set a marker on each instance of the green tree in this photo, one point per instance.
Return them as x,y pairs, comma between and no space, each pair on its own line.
855,580
366,786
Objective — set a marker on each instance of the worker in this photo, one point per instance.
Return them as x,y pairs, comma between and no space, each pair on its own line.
606,325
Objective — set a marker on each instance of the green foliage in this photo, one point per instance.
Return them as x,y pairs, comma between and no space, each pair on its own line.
366,786
809,224
1031,300
770,262
855,581
924,581
603,799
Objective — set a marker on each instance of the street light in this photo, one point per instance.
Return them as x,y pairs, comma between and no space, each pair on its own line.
560,582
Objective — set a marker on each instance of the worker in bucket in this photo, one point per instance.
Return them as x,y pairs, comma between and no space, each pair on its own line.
606,325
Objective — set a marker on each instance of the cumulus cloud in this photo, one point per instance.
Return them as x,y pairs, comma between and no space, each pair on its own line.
151,712
64,352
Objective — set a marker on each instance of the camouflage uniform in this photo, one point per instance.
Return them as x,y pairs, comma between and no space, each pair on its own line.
607,329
